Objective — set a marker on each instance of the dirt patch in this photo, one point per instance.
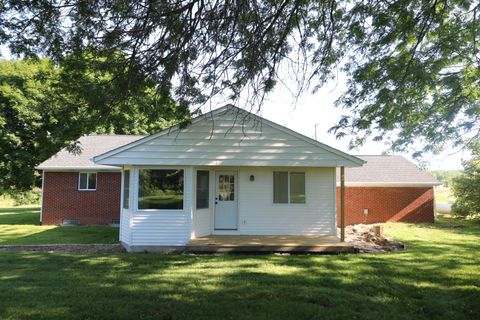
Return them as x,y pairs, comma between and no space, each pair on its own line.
366,240
65,248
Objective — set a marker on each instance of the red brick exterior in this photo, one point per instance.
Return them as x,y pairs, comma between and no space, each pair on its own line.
63,201
398,204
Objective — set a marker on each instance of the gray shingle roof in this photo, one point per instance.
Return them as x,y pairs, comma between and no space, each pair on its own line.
378,171
387,170
91,146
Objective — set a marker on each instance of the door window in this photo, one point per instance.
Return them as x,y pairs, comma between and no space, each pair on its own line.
226,187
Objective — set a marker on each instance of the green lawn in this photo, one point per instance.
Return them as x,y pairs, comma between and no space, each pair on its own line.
438,277
20,225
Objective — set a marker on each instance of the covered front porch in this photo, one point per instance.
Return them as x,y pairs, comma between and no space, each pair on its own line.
268,244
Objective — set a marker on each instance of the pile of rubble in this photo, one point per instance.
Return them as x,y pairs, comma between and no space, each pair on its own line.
369,238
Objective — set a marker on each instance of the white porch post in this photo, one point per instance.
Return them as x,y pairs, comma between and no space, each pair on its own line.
342,204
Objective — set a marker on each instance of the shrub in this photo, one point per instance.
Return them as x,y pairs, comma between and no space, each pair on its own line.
466,188
27,197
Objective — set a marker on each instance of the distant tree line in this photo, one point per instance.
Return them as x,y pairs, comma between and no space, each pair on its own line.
445,176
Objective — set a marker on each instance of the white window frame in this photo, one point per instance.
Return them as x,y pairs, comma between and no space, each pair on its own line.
288,188
209,189
137,187
129,189
88,176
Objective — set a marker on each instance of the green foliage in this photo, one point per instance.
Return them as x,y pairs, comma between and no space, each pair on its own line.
466,188
45,107
412,65
22,198
445,176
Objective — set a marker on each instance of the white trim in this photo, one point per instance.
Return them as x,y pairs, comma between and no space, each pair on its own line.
41,201
73,168
334,189
355,160
88,177
194,193
123,190
389,184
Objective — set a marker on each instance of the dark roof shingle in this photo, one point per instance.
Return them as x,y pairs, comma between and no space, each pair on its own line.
385,170
91,146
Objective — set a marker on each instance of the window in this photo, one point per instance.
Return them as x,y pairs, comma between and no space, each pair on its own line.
288,187
126,189
203,183
160,189
87,181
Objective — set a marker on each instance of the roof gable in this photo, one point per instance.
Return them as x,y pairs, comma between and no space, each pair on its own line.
228,136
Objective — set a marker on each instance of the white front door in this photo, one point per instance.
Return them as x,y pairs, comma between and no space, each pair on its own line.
226,201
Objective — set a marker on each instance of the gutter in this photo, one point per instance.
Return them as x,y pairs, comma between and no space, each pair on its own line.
390,184
41,201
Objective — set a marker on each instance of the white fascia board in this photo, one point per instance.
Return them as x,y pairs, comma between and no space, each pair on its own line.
67,168
390,184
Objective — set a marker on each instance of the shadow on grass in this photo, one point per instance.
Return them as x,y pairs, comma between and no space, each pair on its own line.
436,278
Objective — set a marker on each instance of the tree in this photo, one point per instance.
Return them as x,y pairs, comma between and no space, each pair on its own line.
44,107
466,187
413,65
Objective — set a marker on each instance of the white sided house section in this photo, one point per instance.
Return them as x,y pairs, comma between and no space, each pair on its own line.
243,151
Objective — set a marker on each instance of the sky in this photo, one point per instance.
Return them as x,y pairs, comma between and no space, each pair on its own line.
302,114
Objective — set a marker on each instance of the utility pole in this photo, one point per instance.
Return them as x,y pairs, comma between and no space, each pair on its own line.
315,126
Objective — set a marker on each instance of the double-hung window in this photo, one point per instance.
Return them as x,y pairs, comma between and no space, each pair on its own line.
87,181
288,187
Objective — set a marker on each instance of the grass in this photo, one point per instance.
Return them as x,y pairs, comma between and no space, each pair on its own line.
438,277
21,225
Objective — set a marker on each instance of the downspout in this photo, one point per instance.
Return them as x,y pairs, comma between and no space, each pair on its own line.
41,200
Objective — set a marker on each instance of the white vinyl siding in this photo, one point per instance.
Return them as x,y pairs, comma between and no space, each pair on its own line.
161,227
258,215
227,140
125,231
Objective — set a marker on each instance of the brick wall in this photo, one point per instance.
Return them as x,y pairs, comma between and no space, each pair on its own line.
63,201
404,204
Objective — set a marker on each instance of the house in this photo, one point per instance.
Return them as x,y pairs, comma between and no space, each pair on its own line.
388,188
228,173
